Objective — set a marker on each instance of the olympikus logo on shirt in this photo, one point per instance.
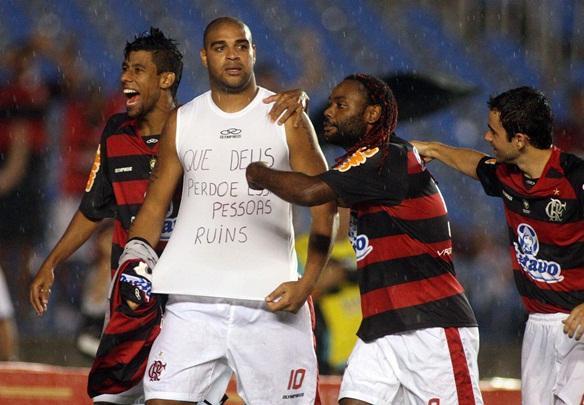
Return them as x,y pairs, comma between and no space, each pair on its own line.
357,159
230,133
526,249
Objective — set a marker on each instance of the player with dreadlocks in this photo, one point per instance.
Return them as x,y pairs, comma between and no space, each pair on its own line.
415,313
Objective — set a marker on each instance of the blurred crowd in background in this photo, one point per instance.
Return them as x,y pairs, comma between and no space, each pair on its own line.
59,80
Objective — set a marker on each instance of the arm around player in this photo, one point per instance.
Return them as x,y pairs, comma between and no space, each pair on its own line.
462,159
306,158
163,181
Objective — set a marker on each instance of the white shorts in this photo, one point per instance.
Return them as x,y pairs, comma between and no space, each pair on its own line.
203,341
552,364
434,366
6,308
133,396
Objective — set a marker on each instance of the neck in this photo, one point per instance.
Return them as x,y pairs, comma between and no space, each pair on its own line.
534,161
153,122
231,102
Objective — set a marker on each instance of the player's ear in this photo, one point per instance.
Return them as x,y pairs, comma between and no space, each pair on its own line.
167,80
521,139
372,113
203,55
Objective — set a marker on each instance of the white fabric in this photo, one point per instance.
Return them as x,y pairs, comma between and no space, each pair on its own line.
552,364
410,368
229,241
6,308
204,340
133,396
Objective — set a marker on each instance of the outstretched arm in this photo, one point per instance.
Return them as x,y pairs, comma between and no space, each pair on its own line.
462,159
305,157
163,181
78,232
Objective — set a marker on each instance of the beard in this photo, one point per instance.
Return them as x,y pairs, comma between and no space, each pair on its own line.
348,132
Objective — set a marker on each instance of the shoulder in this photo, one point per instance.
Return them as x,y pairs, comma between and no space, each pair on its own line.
573,168
117,121
571,164
115,125
195,102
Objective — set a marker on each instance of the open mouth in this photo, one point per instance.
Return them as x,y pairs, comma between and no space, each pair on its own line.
131,96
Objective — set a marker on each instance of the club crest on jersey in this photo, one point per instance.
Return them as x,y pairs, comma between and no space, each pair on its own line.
360,243
357,159
526,249
94,170
152,163
555,210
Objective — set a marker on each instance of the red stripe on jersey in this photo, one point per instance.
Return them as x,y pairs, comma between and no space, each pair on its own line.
460,369
550,233
402,246
426,207
128,145
537,307
414,164
409,294
546,185
130,192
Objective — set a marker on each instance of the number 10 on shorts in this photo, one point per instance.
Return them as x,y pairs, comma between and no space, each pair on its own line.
296,378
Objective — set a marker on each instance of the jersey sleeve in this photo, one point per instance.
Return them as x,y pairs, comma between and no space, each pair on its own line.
487,174
98,200
576,178
359,183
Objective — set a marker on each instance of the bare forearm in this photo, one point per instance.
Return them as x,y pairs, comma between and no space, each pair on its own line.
78,232
462,159
148,224
322,235
294,187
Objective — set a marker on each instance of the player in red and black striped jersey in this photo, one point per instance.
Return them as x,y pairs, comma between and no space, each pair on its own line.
119,180
116,186
543,193
415,314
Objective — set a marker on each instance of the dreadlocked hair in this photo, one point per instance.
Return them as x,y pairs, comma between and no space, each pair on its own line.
378,93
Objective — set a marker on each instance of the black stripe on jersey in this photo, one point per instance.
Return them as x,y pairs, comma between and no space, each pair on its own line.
120,377
537,206
553,174
567,300
449,312
429,230
568,257
127,168
110,342
420,185
116,253
126,214
398,271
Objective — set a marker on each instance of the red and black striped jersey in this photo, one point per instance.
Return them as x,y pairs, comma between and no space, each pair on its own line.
119,179
401,236
546,229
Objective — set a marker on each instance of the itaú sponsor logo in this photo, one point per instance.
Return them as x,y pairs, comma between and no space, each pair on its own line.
526,249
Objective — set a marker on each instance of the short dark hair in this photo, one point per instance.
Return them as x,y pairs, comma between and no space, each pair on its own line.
525,110
165,53
221,20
